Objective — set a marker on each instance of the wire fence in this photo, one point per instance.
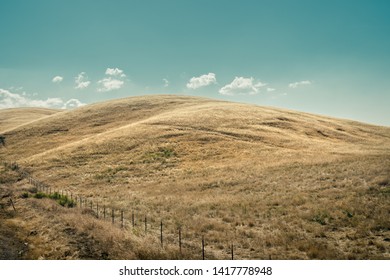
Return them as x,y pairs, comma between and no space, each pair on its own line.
125,219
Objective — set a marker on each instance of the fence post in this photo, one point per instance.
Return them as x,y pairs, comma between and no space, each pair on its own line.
232,251
121,218
161,233
132,219
146,226
180,240
112,215
104,212
203,247
97,210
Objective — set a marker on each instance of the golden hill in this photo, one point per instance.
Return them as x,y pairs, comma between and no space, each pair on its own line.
12,118
275,183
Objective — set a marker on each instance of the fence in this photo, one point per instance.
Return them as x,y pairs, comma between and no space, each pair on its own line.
117,216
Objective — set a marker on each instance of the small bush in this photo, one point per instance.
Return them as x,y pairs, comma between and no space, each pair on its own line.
55,196
39,195
66,202
24,195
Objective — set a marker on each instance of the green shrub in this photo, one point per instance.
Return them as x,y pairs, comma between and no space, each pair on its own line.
66,202
55,196
24,195
40,195
63,200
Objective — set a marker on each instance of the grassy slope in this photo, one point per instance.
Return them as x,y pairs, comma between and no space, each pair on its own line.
275,182
12,118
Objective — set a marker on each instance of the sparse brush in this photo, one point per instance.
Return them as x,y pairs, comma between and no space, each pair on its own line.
63,200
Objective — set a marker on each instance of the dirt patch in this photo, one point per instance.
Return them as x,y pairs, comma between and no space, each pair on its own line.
11,246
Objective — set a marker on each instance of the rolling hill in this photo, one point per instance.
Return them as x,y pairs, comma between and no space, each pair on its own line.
273,183
12,118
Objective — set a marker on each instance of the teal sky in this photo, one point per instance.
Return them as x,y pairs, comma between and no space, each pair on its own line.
325,57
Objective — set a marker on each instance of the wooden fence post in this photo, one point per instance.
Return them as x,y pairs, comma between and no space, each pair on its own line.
232,251
146,225
104,212
203,247
97,210
112,215
180,240
121,218
132,219
161,233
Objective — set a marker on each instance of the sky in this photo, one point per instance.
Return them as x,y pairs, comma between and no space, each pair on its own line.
324,57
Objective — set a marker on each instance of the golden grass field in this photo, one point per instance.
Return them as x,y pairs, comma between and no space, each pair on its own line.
274,183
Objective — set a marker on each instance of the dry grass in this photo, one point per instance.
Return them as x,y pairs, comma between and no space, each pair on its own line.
276,183
12,118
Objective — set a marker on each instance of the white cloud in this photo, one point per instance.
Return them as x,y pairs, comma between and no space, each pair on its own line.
108,84
241,85
72,103
57,79
270,89
115,72
166,82
201,81
13,100
297,84
114,80
82,81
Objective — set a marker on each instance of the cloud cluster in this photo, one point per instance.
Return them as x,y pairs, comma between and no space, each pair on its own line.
72,103
201,81
82,81
114,80
115,72
108,84
241,85
297,84
12,100
57,79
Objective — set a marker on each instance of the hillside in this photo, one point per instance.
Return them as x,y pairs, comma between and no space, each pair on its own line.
275,183
12,118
